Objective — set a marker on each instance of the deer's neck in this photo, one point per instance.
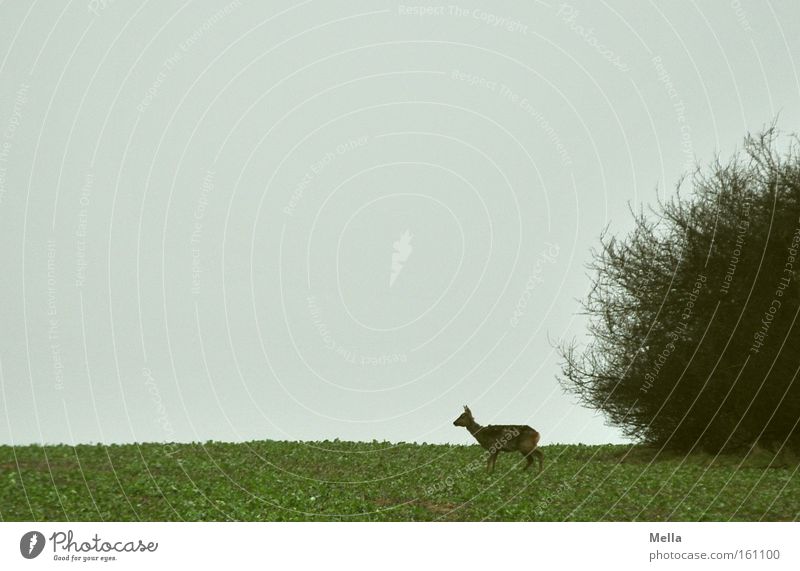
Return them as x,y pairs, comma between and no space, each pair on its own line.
473,428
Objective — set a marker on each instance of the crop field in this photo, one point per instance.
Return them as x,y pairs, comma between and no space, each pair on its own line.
380,481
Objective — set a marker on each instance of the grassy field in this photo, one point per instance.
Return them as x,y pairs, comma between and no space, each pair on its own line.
346,481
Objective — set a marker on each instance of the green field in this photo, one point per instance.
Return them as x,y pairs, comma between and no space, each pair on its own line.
349,481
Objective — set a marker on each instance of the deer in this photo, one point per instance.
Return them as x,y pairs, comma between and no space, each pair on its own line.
497,438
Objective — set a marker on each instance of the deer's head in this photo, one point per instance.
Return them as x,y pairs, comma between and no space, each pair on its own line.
465,419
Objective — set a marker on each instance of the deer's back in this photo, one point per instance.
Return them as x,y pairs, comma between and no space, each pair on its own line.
506,437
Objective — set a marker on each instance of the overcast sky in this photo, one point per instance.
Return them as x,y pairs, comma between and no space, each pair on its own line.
308,220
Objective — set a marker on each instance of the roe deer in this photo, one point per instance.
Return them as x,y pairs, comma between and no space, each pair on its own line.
498,438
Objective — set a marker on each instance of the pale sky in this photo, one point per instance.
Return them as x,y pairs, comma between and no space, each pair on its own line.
310,220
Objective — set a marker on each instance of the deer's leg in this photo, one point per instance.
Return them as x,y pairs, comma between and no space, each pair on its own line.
491,461
529,447
529,460
529,457
539,456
